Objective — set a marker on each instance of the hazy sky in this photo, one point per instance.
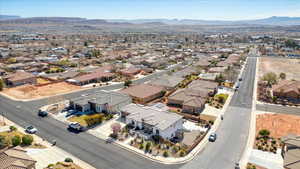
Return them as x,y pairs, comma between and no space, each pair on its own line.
133,9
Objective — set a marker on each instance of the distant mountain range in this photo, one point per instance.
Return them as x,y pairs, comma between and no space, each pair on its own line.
273,21
7,17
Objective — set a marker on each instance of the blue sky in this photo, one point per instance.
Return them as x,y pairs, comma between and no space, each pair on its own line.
135,9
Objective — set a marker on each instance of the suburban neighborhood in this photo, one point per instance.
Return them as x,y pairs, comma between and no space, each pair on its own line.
79,93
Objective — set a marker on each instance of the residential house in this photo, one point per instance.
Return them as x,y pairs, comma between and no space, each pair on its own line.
94,77
191,101
193,98
143,93
16,158
291,152
153,121
130,72
20,78
102,101
206,85
287,89
167,82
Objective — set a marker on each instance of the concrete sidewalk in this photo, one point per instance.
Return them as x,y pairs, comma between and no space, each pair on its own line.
266,159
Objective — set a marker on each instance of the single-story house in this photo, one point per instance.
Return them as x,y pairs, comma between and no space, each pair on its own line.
201,85
291,152
92,78
130,72
16,158
20,78
143,93
287,89
167,82
153,121
217,70
191,101
102,101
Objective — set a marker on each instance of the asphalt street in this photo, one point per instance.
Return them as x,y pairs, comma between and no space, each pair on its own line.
232,134
233,131
278,109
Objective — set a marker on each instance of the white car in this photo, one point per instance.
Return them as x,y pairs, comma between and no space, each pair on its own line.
30,130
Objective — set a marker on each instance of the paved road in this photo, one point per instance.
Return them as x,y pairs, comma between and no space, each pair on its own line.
84,146
232,134
233,131
278,109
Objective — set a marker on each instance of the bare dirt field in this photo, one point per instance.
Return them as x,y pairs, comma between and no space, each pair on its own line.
33,92
291,67
279,125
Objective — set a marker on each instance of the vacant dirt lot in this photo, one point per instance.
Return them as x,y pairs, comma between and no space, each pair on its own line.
278,124
291,67
32,92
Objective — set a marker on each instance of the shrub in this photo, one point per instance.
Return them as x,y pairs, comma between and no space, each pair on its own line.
94,119
69,160
109,116
50,165
113,135
148,146
166,154
16,140
141,146
182,153
264,133
3,142
12,128
27,140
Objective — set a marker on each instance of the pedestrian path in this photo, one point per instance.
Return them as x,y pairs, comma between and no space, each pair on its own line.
267,159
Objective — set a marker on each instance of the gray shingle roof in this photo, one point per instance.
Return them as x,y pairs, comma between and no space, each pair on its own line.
151,116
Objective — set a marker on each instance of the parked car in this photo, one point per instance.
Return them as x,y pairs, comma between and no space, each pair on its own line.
30,130
70,112
212,137
75,126
240,79
42,113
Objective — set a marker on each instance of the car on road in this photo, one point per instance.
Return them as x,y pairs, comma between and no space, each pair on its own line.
109,140
237,88
212,137
30,130
42,113
75,126
240,79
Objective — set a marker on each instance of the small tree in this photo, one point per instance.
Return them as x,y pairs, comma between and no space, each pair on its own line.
264,133
182,153
127,83
16,140
116,128
270,78
12,128
27,140
166,154
1,84
69,160
282,76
